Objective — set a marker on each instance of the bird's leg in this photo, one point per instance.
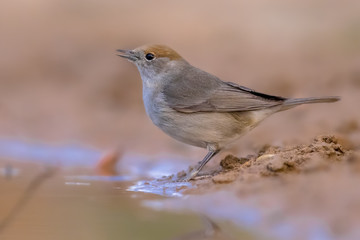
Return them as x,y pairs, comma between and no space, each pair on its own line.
206,159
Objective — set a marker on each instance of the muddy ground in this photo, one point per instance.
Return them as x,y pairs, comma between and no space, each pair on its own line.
61,83
306,191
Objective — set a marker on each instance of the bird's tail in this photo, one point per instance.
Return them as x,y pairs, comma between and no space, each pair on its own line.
292,102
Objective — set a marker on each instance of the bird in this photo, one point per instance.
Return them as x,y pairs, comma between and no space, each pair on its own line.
198,108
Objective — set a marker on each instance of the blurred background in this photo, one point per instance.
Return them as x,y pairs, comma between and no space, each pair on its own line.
62,83
61,80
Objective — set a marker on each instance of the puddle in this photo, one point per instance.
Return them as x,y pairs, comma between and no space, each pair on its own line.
155,167
96,178
76,203
141,195
161,187
131,166
225,206
64,155
213,205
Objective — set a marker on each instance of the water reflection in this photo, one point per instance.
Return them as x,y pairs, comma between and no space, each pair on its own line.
161,187
77,155
96,178
219,205
79,202
210,231
65,155
131,166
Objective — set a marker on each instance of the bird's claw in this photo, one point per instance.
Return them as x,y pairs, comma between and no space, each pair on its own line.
190,176
194,176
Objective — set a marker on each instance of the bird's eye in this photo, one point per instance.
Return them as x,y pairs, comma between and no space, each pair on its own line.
149,56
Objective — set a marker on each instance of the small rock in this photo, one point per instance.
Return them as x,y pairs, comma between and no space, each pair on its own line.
277,164
265,157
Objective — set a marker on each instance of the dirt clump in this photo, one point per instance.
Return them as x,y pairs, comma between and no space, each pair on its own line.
231,162
273,160
315,182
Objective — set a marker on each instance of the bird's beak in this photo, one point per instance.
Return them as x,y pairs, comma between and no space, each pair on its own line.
128,54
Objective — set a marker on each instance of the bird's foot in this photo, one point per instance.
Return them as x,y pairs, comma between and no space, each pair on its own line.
190,176
193,175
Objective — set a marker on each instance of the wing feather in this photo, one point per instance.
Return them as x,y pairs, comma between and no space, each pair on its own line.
207,93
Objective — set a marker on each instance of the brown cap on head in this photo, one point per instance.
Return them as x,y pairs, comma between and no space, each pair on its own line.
161,51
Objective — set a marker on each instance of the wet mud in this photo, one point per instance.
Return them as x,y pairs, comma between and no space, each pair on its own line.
306,191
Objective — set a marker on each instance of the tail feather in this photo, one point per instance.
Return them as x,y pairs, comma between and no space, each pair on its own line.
292,102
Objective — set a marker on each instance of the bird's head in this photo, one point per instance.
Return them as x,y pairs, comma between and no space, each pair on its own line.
154,60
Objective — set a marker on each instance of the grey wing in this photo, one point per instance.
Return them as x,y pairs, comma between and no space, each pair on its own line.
207,93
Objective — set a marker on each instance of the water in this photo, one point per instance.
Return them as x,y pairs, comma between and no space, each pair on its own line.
54,192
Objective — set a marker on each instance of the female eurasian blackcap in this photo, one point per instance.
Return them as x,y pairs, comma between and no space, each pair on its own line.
198,108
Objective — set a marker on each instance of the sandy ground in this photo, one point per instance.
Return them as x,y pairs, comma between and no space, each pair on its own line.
61,82
310,189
